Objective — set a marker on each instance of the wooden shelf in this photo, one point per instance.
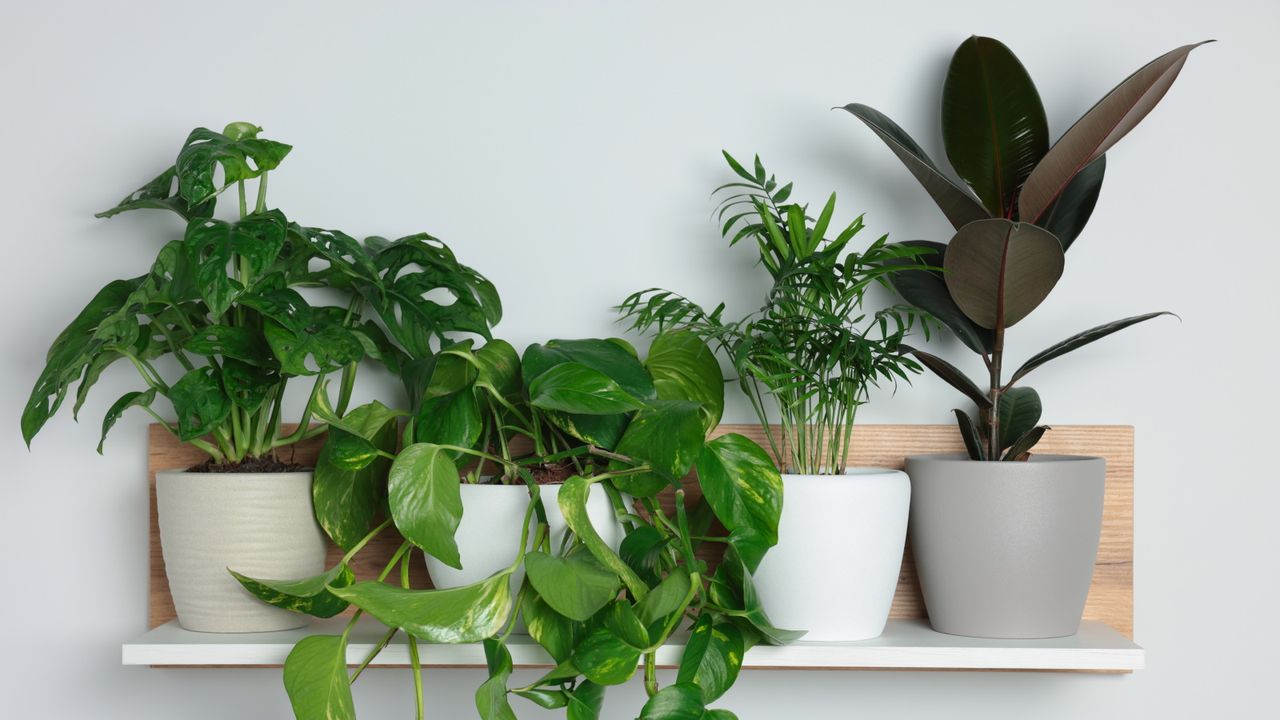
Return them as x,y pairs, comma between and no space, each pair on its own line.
906,644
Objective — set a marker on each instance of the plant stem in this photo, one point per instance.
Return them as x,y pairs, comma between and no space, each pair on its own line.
262,193
365,540
377,649
651,673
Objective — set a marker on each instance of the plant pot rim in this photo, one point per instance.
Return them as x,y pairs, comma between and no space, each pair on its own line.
233,475
959,457
852,471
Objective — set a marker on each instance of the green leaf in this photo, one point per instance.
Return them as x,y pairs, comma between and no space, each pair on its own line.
951,375
74,348
576,586
574,388
315,676
607,357
666,598
160,194
927,290
1075,342
491,696
604,431
1067,216
641,550
993,124
667,435
309,596
1098,130
241,343
606,659
212,244
621,620
573,506
556,633
464,614
732,589
549,699
955,202
449,420
585,702
347,501
349,451
741,485
682,701
241,159
999,271
200,403
499,368
684,368
126,401
1018,410
248,385
712,658
426,500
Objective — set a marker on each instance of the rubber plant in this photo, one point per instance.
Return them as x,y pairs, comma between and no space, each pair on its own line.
220,308
592,412
1025,203
811,353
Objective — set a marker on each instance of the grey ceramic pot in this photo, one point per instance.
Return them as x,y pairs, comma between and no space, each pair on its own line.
1005,549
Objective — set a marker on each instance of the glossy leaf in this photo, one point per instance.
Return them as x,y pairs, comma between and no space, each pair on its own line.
1024,444
240,343
1098,130
200,403
607,357
1067,216
712,658
667,436
684,368
160,194
491,696
927,290
585,702
449,420
742,485
315,677
666,597
606,659
604,431
426,501
999,271
126,401
212,244
347,501
574,388
974,442
573,505
241,159
556,633
732,588
464,614
309,596
1075,342
993,124
641,549
682,701
1019,410
951,375
956,203
499,368
576,586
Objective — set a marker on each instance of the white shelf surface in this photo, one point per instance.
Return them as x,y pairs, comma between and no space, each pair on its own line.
905,645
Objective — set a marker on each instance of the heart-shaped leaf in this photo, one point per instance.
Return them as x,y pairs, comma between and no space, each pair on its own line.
574,388
607,357
464,614
491,696
347,501
585,702
666,598
606,659
315,677
573,506
712,657
424,491
666,435
309,596
556,633
576,586
998,271
1098,130
742,485
684,368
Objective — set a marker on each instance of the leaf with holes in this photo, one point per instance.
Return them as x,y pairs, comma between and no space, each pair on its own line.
200,403
241,158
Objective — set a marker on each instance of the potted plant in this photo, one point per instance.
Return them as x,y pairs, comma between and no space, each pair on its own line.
1004,539
626,430
220,308
809,357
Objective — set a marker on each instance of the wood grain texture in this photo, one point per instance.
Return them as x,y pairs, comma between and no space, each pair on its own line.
1110,596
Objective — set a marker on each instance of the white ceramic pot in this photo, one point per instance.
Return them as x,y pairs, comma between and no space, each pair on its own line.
835,568
488,535
258,524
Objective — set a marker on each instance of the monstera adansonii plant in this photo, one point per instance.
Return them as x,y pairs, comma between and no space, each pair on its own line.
1025,204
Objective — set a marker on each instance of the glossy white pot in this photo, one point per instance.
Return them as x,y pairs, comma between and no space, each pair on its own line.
488,535
835,568
258,524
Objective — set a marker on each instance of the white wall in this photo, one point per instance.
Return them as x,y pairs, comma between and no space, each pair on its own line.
567,150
